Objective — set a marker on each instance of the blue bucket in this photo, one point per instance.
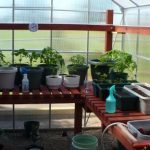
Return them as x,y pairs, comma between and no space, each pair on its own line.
84,142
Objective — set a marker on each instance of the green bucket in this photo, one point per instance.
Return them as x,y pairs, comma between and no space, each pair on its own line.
84,142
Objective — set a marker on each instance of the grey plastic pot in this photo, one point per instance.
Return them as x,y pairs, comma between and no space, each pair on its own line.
7,77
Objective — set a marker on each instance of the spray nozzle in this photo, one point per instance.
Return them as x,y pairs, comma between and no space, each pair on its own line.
112,89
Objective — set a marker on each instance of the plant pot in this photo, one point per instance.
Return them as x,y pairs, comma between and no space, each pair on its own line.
30,128
48,70
80,70
7,77
53,81
34,76
35,147
125,100
71,81
118,76
19,76
97,67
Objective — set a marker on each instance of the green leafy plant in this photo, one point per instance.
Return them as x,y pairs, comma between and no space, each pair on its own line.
21,53
77,60
33,56
2,58
122,61
51,56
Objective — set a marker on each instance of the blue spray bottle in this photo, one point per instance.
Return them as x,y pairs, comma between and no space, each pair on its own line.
111,101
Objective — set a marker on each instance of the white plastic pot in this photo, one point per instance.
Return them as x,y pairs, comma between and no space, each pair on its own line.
71,81
7,77
53,81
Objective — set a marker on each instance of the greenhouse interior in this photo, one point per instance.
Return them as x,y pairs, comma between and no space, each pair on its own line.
73,74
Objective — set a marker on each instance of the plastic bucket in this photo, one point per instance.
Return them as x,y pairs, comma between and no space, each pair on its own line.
84,142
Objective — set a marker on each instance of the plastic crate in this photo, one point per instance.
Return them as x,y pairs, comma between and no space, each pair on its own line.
125,100
139,128
143,96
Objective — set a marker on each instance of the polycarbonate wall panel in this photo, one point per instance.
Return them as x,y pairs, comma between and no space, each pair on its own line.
70,41
5,15
32,40
143,70
71,5
125,3
97,18
5,40
144,16
142,2
32,16
131,17
144,46
117,40
117,19
32,3
6,3
70,17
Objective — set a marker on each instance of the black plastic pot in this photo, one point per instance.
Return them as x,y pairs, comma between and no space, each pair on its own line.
80,70
118,76
31,128
48,70
34,76
96,68
19,76
35,147
125,100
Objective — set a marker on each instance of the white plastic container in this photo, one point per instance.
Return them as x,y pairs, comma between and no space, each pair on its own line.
25,83
134,126
53,81
7,77
144,100
71,81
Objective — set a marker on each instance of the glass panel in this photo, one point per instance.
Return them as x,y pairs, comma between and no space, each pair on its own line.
32,3
6,15
5,39
32,40
96,42
142,2
125,3
144,45
70,17
131,17
144,16
5,3
143,70
71,5
34,16
97,18
70,40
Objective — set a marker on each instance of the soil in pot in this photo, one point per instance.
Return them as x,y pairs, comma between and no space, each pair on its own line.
80,70
47,70
140,92
19,76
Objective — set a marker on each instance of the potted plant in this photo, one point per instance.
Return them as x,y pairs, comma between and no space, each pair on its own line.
51,61
2,59
78,67
19,54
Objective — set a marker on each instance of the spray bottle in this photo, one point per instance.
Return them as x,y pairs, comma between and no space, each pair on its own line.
111,101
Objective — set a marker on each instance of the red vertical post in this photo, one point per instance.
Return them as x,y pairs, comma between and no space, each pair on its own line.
108,35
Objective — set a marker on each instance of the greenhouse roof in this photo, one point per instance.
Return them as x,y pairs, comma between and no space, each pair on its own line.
131,3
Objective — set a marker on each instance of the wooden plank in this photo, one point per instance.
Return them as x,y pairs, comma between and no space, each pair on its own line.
65,92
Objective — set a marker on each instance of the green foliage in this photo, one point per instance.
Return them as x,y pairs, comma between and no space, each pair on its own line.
21,53
51,56
2,58
77,60
122,61
33,56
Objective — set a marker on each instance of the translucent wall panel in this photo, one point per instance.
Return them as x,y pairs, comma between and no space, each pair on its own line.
32,40
96,42
144,46
117,41
70,40
143,70
142,2
131,17
70,17
125,3
71,5
5,15
97,18
4,3
117,19
32,3
144,16
5,39
32,16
